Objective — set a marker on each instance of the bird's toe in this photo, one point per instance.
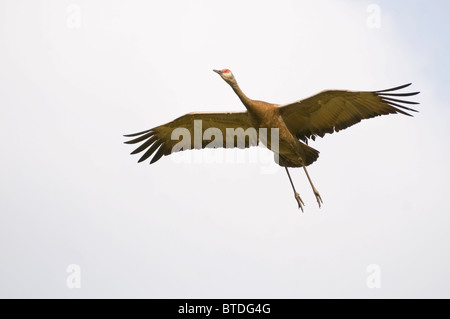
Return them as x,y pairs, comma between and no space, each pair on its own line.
299,201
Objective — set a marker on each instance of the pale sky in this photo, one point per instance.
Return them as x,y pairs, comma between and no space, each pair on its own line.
77,75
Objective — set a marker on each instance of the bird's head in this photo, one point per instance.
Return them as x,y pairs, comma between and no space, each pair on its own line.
226,75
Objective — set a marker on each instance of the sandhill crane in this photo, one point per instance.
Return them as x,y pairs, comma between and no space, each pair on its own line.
326,112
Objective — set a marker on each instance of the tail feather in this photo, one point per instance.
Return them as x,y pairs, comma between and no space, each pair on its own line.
309,156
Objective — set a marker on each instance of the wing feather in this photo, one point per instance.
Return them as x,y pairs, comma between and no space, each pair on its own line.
158,140
333,110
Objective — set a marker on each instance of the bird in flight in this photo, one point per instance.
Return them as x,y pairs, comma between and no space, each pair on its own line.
294,123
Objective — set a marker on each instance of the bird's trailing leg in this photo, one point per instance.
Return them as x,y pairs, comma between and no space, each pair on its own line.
297,196
316,193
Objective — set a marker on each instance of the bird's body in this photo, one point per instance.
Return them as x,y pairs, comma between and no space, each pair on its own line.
291,152
294,123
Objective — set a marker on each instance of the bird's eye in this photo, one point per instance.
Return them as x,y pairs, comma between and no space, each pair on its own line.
226,71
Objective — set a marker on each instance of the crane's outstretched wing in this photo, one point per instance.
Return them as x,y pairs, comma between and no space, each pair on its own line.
332,111
196,131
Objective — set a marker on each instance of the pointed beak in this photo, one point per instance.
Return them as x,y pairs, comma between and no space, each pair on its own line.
218,71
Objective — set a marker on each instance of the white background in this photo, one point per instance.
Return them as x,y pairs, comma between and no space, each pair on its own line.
77,75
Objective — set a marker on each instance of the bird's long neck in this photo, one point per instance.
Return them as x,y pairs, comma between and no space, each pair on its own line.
245,100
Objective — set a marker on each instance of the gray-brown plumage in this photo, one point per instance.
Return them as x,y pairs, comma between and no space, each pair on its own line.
326,112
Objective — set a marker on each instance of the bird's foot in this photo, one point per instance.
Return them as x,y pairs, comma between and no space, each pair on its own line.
299,201
318,198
